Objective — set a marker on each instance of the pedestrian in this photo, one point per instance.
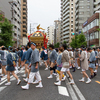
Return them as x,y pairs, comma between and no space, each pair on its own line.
84,65
53,58
10,68
3,60
66,65
44,57
34,68
26,65
97,64
92,61
71,59
76,57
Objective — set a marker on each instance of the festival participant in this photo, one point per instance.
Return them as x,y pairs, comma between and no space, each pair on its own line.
10,68
26,64
92,60
84,65
53,58
20,57
44,57
66,65
97,64
71,59
3,60
0,67
15,59
76,57
59,64
18,53
34,68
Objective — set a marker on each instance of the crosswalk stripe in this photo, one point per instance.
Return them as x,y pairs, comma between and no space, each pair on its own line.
2,88
63,91
5,80
97,82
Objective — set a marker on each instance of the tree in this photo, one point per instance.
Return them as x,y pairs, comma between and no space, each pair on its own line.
57,45
6,32
78,41
65,43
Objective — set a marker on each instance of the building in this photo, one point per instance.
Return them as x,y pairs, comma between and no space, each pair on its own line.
50,34
12,10
3,16
96,5
84,10
24,22
57,31
90,29
67,20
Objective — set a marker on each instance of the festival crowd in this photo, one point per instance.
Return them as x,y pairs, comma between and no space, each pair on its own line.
57,60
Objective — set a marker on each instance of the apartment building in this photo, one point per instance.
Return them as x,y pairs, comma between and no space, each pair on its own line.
50,34
12,10
57,31
67,20
84,10
24,22
96,5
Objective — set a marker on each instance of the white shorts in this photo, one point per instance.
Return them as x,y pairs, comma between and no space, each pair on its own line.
64,69
45,60
83,70
32,75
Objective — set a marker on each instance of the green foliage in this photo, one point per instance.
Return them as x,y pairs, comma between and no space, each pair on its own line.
6,32
57,45
78,41
65,43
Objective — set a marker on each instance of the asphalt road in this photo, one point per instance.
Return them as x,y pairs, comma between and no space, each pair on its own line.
79,91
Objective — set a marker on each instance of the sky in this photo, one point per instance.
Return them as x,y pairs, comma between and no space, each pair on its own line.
42,12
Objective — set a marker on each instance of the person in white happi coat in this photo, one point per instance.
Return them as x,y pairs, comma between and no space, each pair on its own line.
84,66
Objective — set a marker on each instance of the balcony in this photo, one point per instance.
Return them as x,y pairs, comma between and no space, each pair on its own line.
77,11
77,6
67,12
96,3
67,28
64,22
67,16
76,22
77,17
65,33
66,4
98,7
66,9
67,36
77,1
67,24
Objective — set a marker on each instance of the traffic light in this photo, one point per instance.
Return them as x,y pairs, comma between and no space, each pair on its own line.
73,33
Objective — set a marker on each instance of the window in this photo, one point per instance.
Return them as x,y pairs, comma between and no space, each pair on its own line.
88,6
88,0
96,35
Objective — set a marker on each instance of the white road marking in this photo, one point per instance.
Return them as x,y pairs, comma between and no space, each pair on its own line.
71,91
63,91
78,92
2,79
13,79
5,80
80,95
2,88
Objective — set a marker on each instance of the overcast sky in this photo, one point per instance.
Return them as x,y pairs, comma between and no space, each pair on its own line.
43,12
